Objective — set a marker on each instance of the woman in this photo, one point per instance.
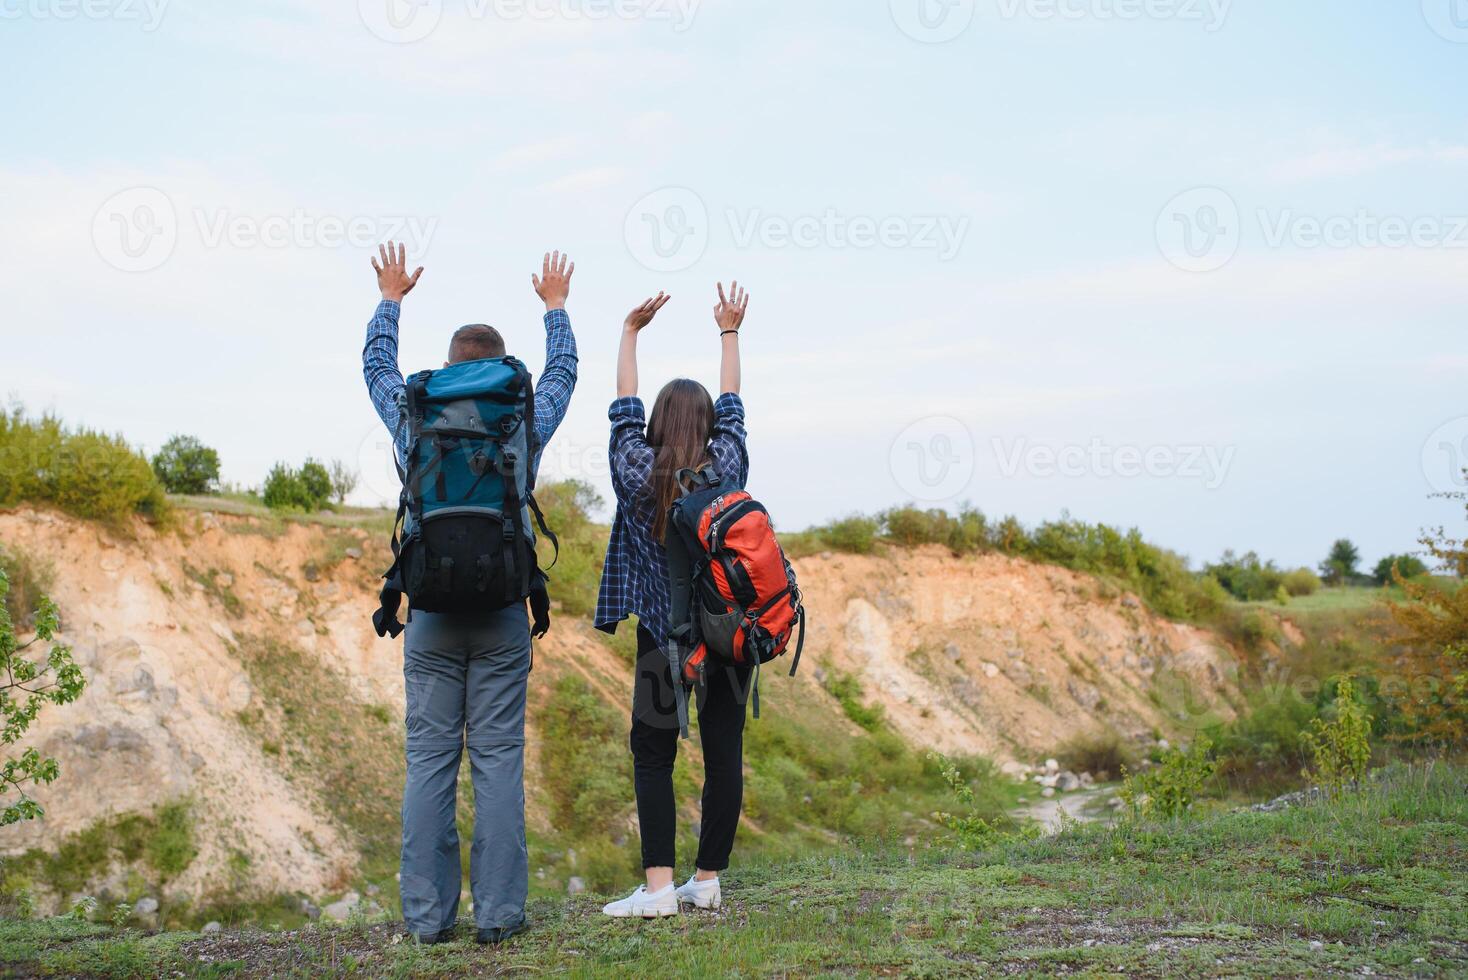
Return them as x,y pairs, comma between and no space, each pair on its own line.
688,430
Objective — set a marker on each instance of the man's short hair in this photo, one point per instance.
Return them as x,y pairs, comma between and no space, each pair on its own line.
475,342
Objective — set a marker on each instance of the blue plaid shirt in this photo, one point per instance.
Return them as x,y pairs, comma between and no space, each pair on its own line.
385,381
634,579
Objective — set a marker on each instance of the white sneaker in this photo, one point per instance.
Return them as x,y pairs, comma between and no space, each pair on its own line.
645,904
700,894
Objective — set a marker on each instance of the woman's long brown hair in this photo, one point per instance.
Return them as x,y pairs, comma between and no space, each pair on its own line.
679,431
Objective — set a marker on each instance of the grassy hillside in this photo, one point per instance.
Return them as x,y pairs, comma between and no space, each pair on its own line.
1375,882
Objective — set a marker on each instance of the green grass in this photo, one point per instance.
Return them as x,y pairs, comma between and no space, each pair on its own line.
1372,881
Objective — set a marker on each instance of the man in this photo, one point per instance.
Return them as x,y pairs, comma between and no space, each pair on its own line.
466,673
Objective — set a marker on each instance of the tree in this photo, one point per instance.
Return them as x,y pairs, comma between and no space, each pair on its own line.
186,465
1339,566
1410,566
28,685
343,481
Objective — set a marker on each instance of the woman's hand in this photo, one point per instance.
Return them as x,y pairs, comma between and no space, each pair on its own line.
729,314
643,315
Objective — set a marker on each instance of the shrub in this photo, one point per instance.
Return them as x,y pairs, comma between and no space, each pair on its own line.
1431,695
1340,747
577,572
909,527
584,763
307,489
171,848
856,535
29,685
1168,789
1098,752
1246,578
1265,739
1301,581
846,689
186,465
974,828
30,579
80,471
316,479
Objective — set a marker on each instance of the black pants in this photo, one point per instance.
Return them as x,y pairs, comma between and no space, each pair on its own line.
654,741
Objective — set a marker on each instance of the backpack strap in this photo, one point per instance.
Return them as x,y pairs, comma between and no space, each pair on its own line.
390,599
799,643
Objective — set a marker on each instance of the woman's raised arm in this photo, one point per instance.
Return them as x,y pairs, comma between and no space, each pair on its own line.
729,315
627,353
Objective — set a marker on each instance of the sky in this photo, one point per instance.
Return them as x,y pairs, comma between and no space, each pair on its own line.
1193,266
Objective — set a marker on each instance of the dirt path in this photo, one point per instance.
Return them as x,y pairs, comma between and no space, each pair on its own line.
1082,806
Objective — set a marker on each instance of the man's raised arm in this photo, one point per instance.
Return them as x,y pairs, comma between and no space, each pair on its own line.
380,355
556,383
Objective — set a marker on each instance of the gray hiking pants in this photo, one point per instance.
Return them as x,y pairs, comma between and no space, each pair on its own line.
465,676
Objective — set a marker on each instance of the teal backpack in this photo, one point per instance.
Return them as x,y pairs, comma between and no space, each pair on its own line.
462,540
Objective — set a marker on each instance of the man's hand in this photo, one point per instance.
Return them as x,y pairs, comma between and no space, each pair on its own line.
643,315
729,314
554,282
392,274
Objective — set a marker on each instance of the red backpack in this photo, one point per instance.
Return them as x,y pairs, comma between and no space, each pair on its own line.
734,596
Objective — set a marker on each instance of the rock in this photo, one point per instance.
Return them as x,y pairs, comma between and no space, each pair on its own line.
224,580
1014,770
1116,803
825,556
1014,653
1049,781
1084,694
1130,602
1048,792
575,886
146,906
1087,779
991,670
1068,782
1051,765
1163,744
342,909
309,910
1019,674
952,652
211,927
372,889
355,554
